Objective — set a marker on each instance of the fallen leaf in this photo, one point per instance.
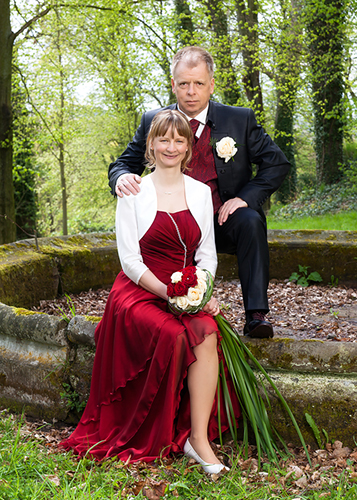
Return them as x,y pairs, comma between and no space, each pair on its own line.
341,452
301,482
53,478
296,470
156,492
337,445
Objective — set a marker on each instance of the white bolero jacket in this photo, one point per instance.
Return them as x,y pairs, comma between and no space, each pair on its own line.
135,215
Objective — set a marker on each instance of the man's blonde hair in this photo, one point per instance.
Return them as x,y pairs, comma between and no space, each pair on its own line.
193,56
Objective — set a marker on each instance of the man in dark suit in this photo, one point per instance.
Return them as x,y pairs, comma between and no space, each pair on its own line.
227,141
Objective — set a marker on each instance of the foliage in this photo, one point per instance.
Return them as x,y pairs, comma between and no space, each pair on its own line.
24,168
334,281
303,278
350,165
316,431
33,468
318,201
71,308
286,68
91,70
72,399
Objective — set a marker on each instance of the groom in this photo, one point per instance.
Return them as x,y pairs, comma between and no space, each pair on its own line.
226,166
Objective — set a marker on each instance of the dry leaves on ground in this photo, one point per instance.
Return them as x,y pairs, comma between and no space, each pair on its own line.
319,312
314,312
294,474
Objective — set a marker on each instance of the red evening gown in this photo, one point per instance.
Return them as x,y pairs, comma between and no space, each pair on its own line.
139,407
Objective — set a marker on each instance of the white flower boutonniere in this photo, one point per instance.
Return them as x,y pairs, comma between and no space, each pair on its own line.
226,148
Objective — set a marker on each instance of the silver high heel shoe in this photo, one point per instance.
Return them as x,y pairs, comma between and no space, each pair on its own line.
210,468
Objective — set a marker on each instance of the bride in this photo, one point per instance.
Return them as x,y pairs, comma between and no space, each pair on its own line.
155,374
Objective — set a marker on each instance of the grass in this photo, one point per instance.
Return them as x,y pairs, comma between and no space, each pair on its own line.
340,221
32,469
324,208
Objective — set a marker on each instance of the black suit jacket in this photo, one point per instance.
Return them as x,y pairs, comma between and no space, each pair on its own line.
235,176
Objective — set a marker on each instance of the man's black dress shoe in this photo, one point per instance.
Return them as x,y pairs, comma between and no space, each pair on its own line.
257,328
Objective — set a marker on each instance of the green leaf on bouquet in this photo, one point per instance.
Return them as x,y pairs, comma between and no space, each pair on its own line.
248,387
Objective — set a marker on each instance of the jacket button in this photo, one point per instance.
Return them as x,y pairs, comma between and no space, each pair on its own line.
223,171
224,192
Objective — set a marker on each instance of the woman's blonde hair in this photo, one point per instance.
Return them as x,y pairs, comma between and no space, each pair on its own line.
169,118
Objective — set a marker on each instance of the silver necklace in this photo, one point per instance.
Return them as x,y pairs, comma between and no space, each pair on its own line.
171,192
181,241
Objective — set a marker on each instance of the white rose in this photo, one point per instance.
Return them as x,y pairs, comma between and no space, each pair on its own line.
226,148
182,302
201,274
194,297
176,277
172,300
201,285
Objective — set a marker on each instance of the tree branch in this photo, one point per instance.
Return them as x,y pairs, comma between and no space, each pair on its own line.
31,21
46,11
30,101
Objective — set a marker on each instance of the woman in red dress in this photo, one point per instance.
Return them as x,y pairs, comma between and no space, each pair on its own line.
154,378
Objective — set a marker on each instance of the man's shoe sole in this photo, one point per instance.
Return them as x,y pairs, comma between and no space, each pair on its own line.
262,331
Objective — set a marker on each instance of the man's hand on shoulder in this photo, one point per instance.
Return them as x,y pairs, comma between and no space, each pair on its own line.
229,207
128,184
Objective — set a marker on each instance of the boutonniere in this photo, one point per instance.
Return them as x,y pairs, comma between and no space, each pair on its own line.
226,148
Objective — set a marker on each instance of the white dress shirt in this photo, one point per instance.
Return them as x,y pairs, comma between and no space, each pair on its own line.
201,117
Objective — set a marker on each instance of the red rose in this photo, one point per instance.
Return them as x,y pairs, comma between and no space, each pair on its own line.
189,269
190,279
180,289
170,290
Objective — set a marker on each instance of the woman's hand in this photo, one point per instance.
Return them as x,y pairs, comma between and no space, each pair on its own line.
212,307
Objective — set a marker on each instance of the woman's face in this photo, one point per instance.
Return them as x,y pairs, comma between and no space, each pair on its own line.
169,150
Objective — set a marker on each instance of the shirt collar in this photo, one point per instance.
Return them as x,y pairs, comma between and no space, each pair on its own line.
201,117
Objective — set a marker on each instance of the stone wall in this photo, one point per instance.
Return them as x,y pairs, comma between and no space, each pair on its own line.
46,364
74,263
67,264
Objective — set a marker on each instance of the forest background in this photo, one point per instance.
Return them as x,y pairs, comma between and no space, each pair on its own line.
75,78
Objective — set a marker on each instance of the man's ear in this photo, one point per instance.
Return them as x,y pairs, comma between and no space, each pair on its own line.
173,85
212,85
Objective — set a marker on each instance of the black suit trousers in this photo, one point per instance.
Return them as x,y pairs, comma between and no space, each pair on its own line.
245,235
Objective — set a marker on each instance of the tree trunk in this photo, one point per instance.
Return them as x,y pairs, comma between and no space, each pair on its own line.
7,204
284,138
61,137
247,14
326,31
223,59
185,28
287,82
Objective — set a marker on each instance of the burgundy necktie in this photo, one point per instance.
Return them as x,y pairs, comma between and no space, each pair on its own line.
194,125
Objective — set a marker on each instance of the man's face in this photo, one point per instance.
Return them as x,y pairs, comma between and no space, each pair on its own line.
193,87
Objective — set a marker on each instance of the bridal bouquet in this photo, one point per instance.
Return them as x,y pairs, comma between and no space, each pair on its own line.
189,291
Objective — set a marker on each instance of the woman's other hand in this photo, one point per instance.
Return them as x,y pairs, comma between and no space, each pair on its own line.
212,307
